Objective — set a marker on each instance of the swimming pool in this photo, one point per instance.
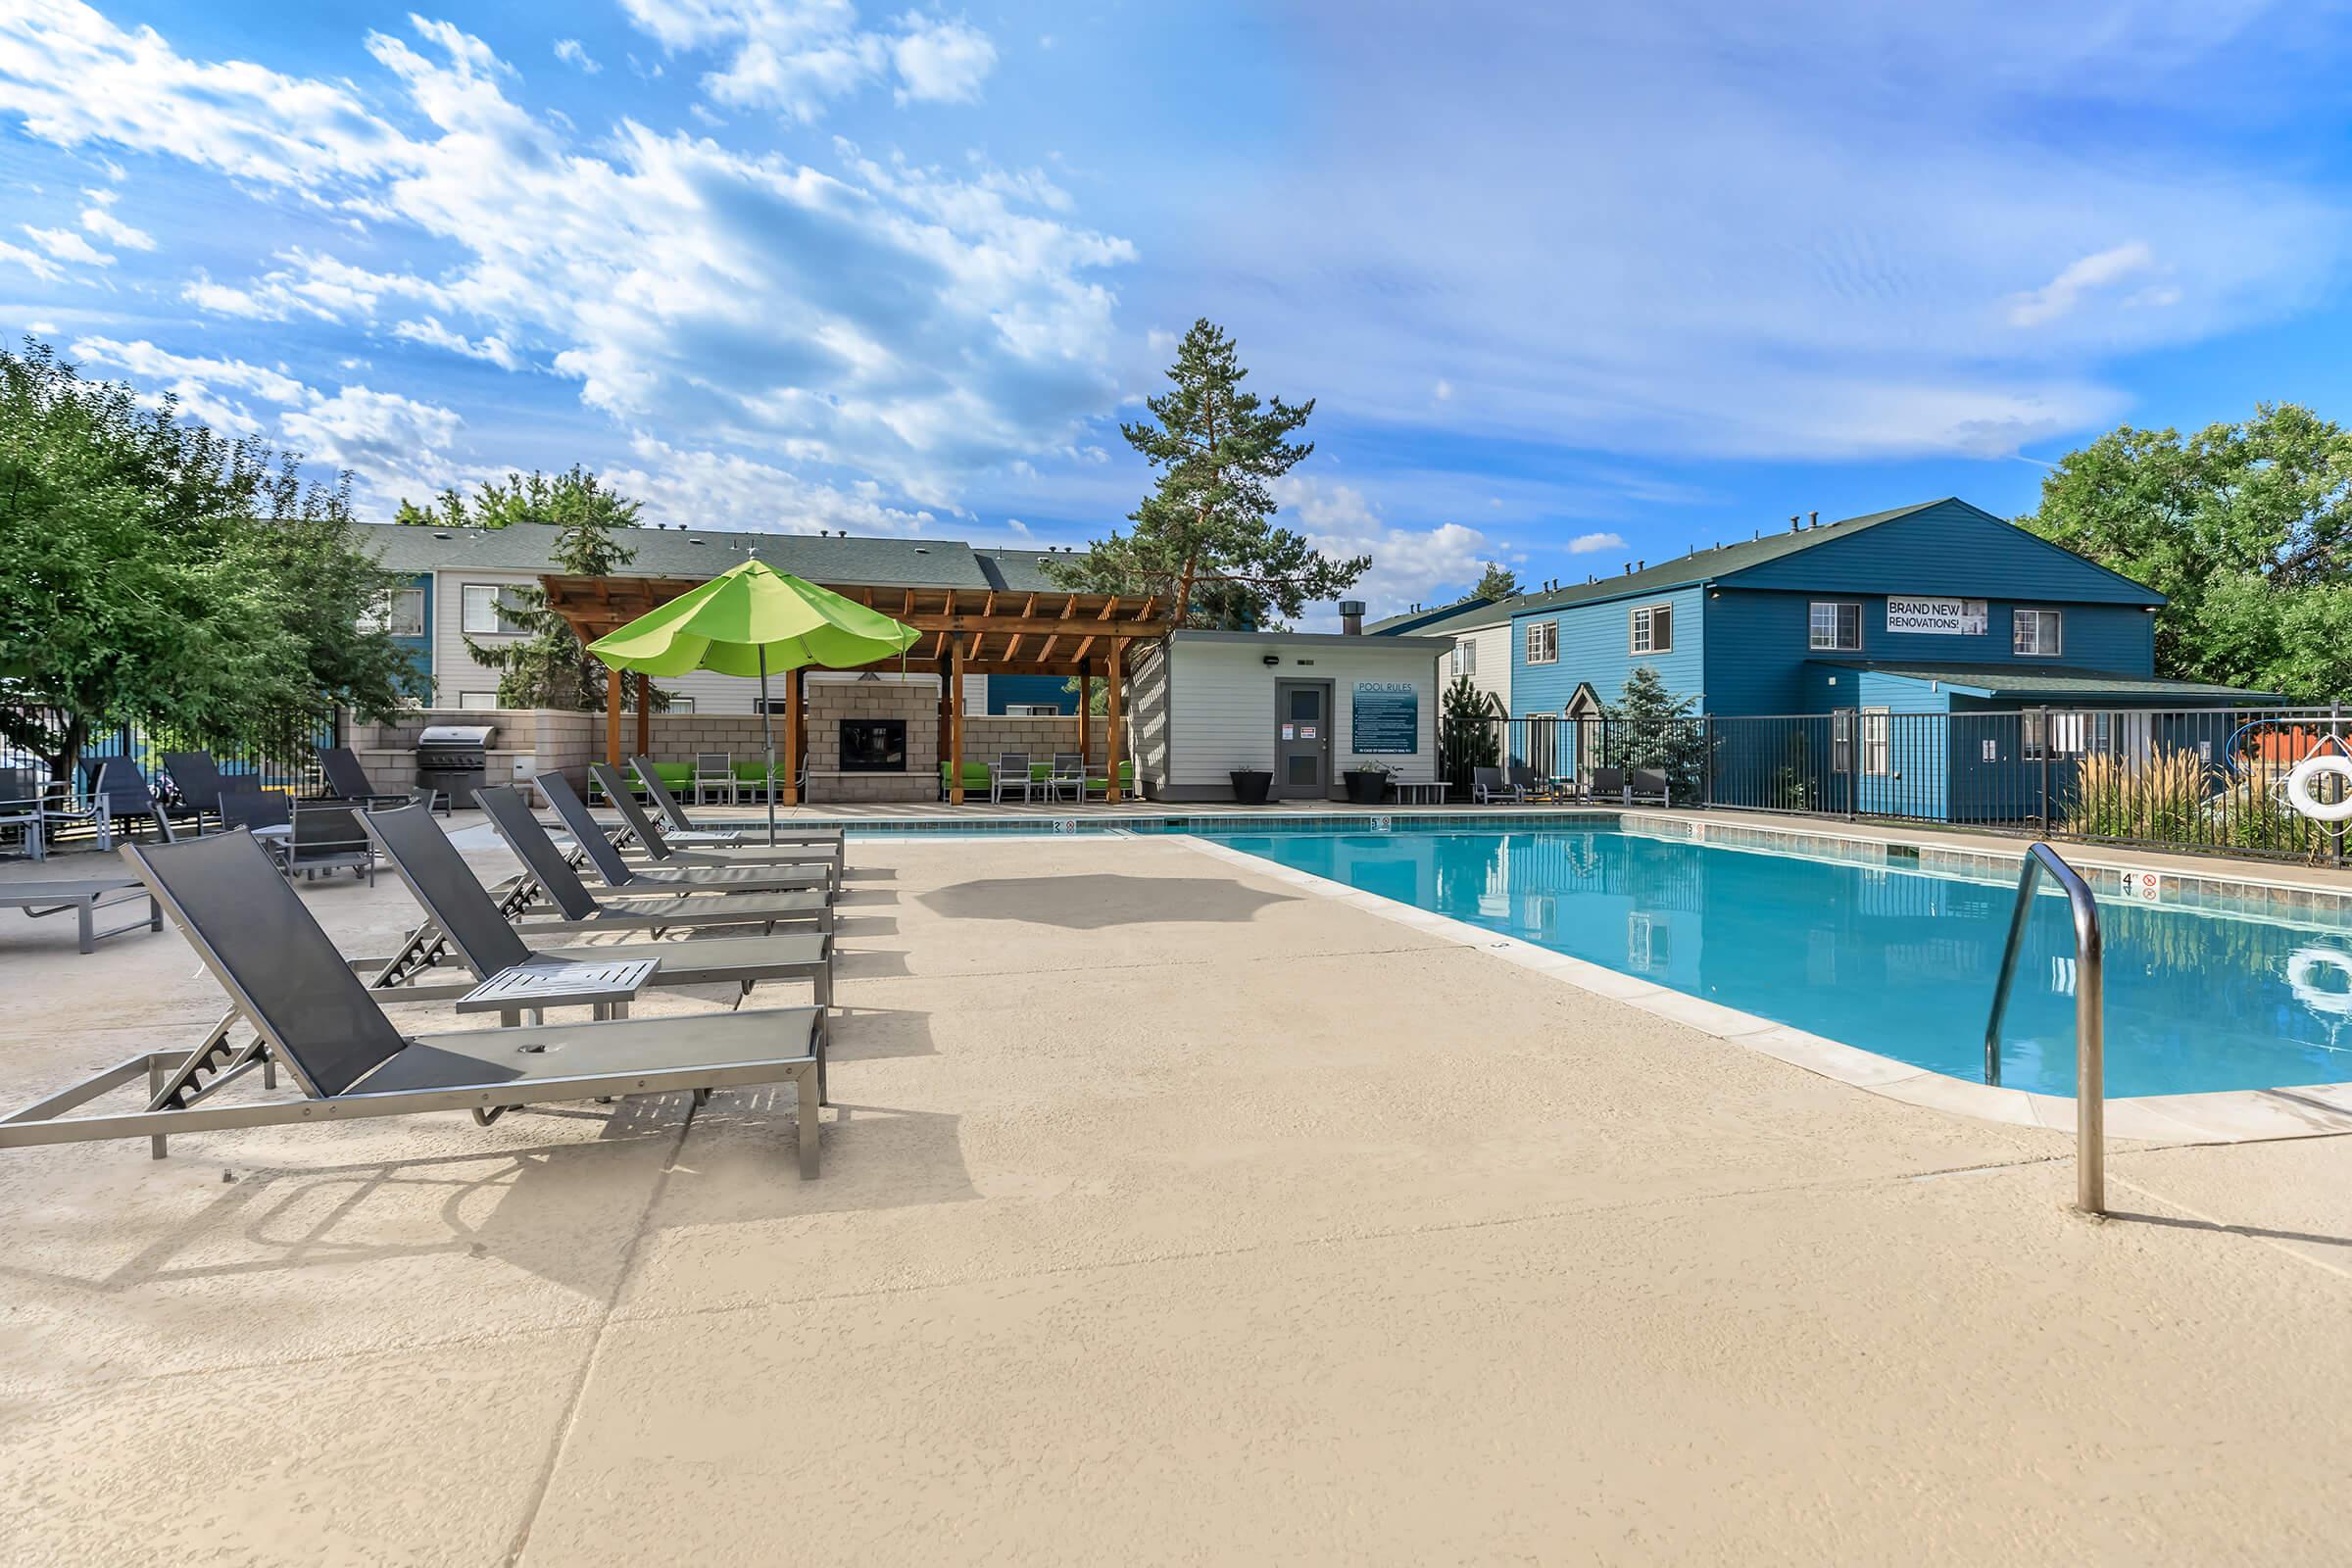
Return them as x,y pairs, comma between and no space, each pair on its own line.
1897,961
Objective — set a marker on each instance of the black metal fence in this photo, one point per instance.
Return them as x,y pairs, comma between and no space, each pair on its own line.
274,751
2212,779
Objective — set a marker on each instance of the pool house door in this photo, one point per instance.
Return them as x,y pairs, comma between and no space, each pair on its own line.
1303,740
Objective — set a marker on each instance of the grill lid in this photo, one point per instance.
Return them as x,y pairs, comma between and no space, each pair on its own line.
477,736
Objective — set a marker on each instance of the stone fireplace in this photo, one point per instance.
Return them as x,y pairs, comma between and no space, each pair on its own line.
872,740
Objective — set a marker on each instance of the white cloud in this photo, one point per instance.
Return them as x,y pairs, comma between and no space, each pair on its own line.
708,489
219,392
575,54
434,334
64,245
99,220
941,62
1584,544
797,57
33,261
2061,294
1427,566
1442,391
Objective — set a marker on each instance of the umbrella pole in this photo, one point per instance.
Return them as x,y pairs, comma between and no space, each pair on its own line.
767,723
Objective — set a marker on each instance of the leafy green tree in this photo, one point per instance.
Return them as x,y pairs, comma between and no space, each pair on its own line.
1203,543
546,665
159,574
1467,735
1497,585
1649,726
2246,527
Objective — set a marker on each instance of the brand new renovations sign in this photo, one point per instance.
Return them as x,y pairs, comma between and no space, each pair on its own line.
1951,617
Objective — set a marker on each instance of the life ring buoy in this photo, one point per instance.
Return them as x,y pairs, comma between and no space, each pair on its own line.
2302,970
2298,789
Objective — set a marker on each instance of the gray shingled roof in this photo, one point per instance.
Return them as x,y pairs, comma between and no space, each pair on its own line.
1445,617
701,553
2057,681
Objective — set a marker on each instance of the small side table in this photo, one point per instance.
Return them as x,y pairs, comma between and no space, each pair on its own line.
522,993
1424,792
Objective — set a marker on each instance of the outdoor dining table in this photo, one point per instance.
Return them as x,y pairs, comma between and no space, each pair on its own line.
85,899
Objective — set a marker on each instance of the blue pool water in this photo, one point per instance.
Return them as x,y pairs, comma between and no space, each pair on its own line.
1898,962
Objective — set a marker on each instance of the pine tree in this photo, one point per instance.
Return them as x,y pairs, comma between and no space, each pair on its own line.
1467,738
1498,583
1649,726
545,665
1203,544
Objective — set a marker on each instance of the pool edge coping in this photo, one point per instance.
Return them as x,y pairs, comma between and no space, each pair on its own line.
2216,1116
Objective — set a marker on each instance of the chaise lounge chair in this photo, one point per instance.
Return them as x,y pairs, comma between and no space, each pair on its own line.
347,780
442,882
1486,785
310,1014
682,828
622,876
640,834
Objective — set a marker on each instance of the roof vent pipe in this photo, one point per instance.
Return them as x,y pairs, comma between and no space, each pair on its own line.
1813,519
1795,523
1641,565
1351,617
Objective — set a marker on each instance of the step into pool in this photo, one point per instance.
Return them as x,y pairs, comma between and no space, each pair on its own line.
1897,961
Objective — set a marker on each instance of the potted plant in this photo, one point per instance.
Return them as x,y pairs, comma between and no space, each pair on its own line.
1251,784
1366,782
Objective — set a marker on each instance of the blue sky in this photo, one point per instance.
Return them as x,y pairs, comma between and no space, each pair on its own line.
1570,290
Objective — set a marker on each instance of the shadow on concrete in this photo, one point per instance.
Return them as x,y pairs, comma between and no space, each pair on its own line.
2261,1233
1093,902
879,1034
875,1157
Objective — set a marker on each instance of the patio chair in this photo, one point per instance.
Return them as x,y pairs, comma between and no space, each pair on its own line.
1070,774
1486,785
1608,784
347,780
327,838
1524,782
198,780
463,910
267,815
682,826
578,910
1011,773
713,770
312,1015
978,778
625,877
642,833
21,801
116,792
1649,784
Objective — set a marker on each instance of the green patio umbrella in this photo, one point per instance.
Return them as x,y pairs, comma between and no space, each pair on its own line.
747,620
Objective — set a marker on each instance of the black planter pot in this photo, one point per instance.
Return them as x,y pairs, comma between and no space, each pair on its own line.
1365,789
1250,785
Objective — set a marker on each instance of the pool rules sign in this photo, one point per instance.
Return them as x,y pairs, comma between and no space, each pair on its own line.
1947,618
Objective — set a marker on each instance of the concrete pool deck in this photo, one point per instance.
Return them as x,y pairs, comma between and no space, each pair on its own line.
1170,1212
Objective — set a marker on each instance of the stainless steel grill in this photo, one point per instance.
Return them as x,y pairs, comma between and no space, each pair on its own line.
454,759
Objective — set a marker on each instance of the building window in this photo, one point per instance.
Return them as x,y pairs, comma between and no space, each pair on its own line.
1031,710
1835,627
1543,642
2037,634
1465,657
679,704
1653,631
2032,735
399,612
489,609
1876,747
477,699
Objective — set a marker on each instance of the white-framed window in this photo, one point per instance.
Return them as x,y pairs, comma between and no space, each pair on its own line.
1465,657
1543,642
1842,741
1031,710
488,609
2032,735
399,612
1651,629
1877,737
679,704
1832,626
477,700
2037,634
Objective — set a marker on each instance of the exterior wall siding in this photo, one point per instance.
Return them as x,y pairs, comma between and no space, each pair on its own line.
1219,703
1493,660
1594,645
1950,551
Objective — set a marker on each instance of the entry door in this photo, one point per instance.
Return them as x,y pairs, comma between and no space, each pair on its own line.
1302,739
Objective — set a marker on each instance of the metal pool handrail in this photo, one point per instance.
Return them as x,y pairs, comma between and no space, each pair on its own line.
2091,1033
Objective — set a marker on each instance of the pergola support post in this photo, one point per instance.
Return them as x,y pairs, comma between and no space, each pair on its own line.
1086,723
788,788
1111,723
645,715
612,716
956,721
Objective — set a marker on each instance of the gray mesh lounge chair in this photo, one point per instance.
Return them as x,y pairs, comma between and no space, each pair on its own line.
198,780
20,809
347,780
640,833
581,911
1608,784
310,1014
327,838
1649,784
437,874
1523,781
624,876
682,826
117,793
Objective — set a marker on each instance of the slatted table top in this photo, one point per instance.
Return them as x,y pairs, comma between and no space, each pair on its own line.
559,985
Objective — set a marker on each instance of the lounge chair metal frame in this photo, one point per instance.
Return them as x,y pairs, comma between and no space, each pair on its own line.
642,879
641,831
179,1083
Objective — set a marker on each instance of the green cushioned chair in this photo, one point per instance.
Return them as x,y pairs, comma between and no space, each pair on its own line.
1126,781
976,776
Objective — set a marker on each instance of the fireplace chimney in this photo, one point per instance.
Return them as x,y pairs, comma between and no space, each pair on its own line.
1351,617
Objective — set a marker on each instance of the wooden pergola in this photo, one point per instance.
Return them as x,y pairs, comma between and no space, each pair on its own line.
967,631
